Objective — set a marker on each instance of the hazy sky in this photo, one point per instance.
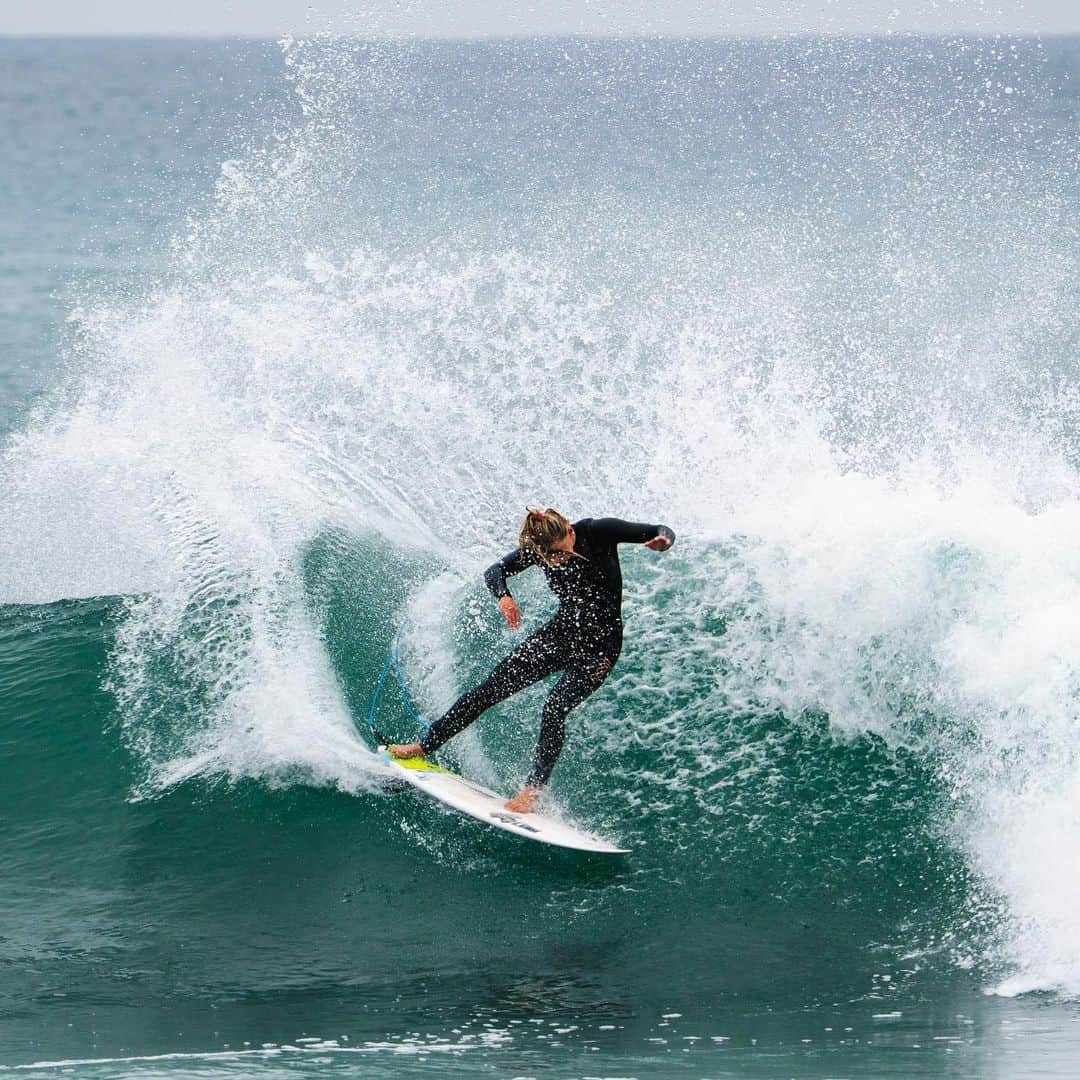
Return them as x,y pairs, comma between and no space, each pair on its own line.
470,18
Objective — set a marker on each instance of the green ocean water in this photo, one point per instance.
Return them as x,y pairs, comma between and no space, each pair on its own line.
228,911
291,333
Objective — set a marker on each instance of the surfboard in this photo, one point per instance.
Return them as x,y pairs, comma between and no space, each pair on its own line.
477,801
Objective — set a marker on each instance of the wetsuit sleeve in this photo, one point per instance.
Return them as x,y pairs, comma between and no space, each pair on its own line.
496,574
617,531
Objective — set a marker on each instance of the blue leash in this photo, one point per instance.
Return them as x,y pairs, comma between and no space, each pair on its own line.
393,660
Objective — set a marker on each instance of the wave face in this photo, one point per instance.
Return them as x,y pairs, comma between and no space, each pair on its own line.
812,304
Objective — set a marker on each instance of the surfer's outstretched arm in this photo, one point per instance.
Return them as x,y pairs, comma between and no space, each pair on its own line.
616,531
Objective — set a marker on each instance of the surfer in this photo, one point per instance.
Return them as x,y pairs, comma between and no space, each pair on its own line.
582,640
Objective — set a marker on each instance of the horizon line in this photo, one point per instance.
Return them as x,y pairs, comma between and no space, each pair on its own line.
140,35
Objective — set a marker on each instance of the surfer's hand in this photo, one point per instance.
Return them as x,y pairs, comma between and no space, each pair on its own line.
658,543
511,612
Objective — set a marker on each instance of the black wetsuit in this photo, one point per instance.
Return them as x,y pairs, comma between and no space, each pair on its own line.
582,641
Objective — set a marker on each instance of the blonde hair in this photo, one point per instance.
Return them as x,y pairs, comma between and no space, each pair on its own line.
540,531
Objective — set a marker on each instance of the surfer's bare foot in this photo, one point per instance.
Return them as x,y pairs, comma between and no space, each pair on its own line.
524,802
405,750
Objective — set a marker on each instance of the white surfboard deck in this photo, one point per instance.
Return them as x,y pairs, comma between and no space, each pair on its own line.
477,801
